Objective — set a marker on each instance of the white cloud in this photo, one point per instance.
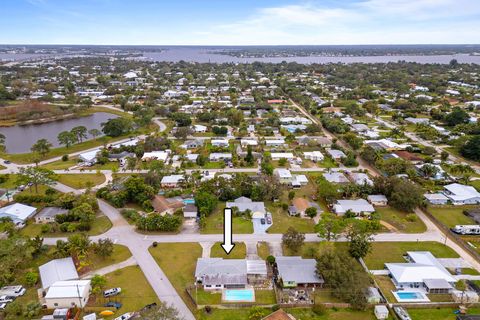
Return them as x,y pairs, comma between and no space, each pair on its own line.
366,21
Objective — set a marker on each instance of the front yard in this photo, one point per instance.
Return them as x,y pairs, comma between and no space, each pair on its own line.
214,223
383,252
404,222
238,252
100,225
81,181
451,216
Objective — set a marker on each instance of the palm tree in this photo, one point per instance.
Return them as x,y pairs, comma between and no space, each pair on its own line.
42,147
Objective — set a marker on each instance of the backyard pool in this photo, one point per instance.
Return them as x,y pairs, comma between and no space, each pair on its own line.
189,201
240,295
410,296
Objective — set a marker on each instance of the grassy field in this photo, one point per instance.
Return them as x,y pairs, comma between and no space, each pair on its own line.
313,249
99,226
238,252
120,253
60,165
398,219
386,286
263,250
383,252
282,221
214,223
451,215
136,291
81,181
178,261
437,314
299,314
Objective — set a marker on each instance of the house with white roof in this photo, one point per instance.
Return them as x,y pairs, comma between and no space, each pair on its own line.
89,156
336,154
19,213
378,200
172,181
65,294
249,142
360,178
314,156
335,177
219,156
358,207
57,270
219,273
282,155
460,194
199,128
275,142
220,143
423,271
283,175
156,155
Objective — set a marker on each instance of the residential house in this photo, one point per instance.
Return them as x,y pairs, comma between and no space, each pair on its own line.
18,213
336,154
217,156
272,143
283,175
57,270
358,207
280,314
192,144
66,294
335,177
249,142
282,155
300,205
460,194
417,120
298,180
378,200
298,272
436,198
219,273
314,156
172,181
165,206
198,128
89,157
190,211
156,155
221,143
360,178
257,208
423,271
48,214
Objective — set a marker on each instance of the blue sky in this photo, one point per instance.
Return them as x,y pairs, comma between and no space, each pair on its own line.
245,22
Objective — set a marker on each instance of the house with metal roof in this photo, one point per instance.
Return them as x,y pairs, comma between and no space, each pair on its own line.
243,204
19,213
296,271
57,270
357,206
219,273
460,194
66,294
422,271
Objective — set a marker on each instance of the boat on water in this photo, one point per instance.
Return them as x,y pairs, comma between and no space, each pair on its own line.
402,313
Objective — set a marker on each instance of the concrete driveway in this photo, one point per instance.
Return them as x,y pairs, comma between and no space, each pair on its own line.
258,227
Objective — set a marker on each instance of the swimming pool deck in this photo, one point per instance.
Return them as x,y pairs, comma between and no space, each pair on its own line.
238,295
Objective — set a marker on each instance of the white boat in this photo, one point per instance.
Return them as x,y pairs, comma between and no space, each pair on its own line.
402,313
125,316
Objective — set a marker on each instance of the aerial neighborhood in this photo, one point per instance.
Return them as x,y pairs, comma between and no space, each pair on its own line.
132,187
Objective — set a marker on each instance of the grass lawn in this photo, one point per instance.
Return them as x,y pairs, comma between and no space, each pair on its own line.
81,181
475,184
99,226
136,291
451,215
120,254
238,252
383,252
299,314
178,261
398,219
437,314
214,223
265,297
312,249
207,298
60,165
10,181
282,221
386,286
263,250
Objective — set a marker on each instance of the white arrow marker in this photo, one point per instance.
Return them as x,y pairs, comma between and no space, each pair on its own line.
227,244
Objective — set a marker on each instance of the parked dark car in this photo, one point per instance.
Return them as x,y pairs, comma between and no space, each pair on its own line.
111,304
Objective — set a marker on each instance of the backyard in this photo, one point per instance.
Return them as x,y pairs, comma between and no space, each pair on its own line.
451,216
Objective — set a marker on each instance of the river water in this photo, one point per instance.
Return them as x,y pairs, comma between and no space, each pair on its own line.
19,139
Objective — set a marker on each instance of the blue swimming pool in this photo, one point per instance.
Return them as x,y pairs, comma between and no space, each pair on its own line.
189,201
410,296
239,295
